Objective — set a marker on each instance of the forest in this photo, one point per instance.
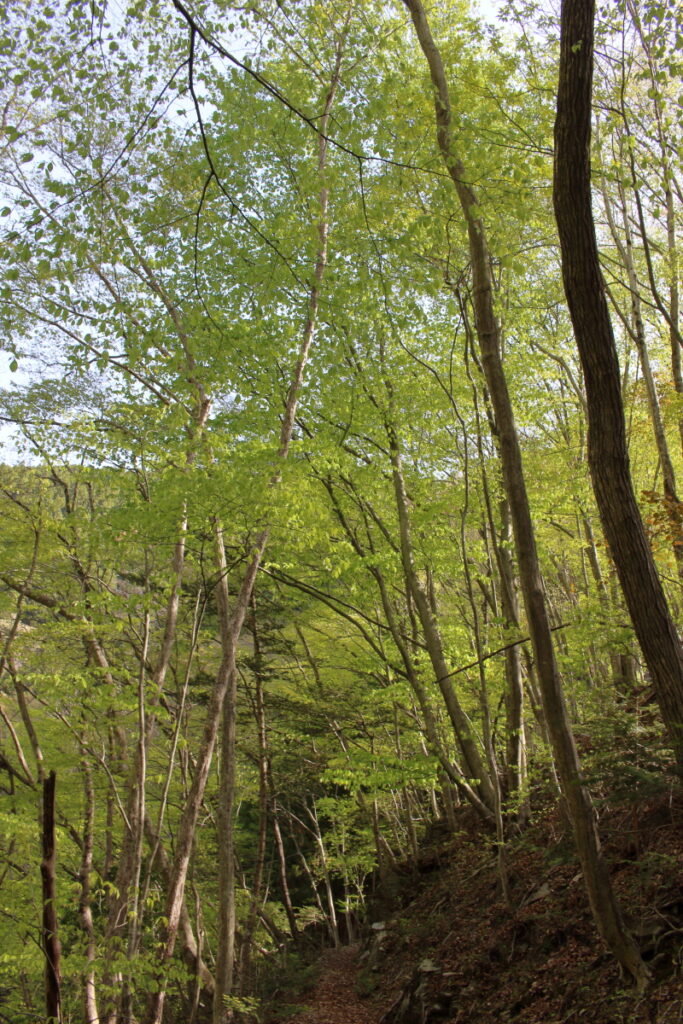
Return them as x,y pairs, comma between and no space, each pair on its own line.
341,430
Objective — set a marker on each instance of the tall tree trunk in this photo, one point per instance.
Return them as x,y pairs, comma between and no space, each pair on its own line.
84,903
607,448
282,865
225,954
51,945
124,903
191,944
449,773
460,722
137,822
260,858
333,924
514,680
602,899
636,330
668,181
514,689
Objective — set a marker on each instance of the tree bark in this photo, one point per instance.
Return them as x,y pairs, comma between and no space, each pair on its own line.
607,448
225,955
263,759
51,945
282,866
84,903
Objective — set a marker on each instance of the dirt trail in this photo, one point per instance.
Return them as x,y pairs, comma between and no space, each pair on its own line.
334,999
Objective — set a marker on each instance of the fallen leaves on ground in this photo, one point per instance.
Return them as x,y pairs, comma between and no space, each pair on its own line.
334,999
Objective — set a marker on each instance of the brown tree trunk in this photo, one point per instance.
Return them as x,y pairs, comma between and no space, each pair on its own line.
333,924
191,944
51,945
607,448
514,688
602,899
123,909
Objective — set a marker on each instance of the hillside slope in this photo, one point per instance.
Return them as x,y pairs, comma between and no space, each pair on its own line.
448,949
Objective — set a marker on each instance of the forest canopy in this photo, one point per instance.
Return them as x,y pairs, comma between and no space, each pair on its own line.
342,442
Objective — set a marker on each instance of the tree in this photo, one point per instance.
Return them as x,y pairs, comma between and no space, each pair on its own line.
603,901
607,450
215,197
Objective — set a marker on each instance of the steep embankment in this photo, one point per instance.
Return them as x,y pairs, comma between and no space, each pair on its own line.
450,950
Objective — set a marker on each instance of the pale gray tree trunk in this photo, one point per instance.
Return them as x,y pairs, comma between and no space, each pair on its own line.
84,902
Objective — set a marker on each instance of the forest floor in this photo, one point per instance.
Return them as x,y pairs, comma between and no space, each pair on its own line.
444,946
335,1000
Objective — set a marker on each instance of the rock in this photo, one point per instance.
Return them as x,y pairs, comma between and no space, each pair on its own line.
416,1004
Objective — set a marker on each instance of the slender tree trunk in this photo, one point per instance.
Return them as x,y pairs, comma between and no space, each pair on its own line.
307,870
449,771
26,719
462,726
379,849
405,792
329,895
607,448
227,919
637,332
603,901
195,796
51,945
282,867
84,903
225,955
260,858
668,180
486,710
7,663
129,862
514,689
191,946
137,822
